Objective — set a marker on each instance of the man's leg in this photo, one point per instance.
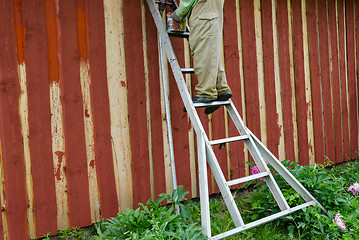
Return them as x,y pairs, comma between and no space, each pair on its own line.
204,40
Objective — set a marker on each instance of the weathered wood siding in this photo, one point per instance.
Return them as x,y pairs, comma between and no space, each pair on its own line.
83,132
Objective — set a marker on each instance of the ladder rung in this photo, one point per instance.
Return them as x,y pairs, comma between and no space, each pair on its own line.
227,140
178,34
187,70
247,179
212,104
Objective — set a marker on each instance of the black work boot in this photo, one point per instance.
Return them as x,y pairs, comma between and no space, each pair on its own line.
223,97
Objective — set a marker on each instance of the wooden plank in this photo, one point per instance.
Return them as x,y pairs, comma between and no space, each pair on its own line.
278,87
292,82
325,80
299,75
82,42
234,66
57,129
273,129
343,75
23,102
116,76
148,102
76,164
334,50
315,81
137,101
286,88
13,185
250,66
101,110
155,96
352,92
260,70
42,68
308,87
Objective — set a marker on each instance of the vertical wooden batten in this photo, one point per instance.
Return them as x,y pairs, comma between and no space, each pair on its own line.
300,82
137,101
68,77
335,78
250,73
41,71
57,129
148,100
260,70
85,79
325,81
292,81
117,87
23,106
277,77
286,91
352,97
100,103
308,86
343,74
273,129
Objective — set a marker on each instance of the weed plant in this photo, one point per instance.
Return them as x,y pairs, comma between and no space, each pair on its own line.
153,221
330,185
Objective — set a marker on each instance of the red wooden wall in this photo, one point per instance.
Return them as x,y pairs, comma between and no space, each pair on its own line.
83,131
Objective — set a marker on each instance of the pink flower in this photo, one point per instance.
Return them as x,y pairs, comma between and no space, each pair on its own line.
339,221
354,187
255,170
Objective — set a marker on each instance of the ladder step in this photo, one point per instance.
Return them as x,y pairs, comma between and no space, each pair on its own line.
212,104
178,34
227,140
187,70
247,179
263,220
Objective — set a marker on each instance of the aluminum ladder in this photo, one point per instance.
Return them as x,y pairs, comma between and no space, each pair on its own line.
256,148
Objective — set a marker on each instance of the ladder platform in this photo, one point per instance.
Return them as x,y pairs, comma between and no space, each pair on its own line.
247,178
212,104
227,140
187,70
262,221
178,34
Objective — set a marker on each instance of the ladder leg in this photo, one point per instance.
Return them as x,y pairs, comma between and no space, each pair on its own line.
222,185
283,171
203,186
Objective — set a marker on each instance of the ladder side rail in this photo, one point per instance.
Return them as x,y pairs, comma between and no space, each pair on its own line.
284,172
222,185
168,120
203,186
272,184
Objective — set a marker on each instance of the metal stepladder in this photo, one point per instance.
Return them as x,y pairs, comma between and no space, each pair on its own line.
206,154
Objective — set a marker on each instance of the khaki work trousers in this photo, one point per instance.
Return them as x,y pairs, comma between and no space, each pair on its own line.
206,24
